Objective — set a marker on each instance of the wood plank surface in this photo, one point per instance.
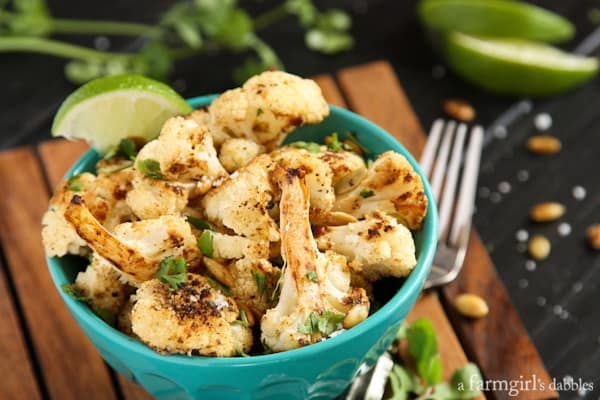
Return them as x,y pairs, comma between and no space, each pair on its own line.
57,156
70,365
499,343
16,370
428,306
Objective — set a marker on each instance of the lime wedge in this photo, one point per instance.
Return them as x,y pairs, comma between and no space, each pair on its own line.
495,18
517,67
109,109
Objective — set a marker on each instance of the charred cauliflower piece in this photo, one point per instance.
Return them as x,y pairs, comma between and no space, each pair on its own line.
231,247
348,169
152,198
136,248
196,318
105,196
237,153
242,201
185,152
202,118
101,284
375,247
254,282
317,174
391,186
267,107
316,298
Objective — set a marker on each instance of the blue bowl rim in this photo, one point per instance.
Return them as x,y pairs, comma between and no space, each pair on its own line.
410,285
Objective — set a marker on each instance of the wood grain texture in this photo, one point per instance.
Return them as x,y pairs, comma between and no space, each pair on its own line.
70,365
499,343
428,306
57,156
18,379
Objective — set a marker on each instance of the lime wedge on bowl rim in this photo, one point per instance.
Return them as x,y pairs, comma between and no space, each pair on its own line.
495,18
516,67
106,110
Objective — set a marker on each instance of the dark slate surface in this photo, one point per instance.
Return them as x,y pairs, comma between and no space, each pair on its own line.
559,299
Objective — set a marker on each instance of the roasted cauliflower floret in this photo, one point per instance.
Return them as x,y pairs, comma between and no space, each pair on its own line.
196,318
202,118
152,198
237,153
231,247
184,151
267,107
136,248
317,174
375,247
391,186
105,196
348,169
316,298
254,282
242,201
101,284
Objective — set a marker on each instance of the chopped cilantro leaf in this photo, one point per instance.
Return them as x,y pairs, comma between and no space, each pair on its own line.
325,324
312,275
366,193
311,147
333,142
205,243
172,272
260,279
128,149
71,290
198,223
74,183
150,168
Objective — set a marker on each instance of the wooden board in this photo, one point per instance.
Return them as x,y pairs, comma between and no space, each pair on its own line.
69,367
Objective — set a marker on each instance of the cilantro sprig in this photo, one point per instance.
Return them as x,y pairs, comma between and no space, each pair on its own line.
172,271
325,323
184,30
423,378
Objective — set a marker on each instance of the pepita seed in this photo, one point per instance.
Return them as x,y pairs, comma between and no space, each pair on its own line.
338,218
470,305
219,272
539,247
546,211
543,144
459,109
593,236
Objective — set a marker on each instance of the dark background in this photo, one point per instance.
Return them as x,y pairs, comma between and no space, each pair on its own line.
559,300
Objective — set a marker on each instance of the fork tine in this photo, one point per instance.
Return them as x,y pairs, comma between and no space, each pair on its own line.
440,163
446,204
466,197
431,146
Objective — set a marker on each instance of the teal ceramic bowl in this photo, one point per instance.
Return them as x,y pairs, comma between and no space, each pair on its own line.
319,371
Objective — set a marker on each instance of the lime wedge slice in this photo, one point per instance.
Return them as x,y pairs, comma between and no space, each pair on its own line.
109,109
516,67
495,18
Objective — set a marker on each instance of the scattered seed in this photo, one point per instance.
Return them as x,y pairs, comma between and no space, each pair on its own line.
500,132
523,283
504,187
577,287
471,305
564,314
593,236
530,265
546,211
543,144
438,71
521,247
495,197
522,235
523,175
459,109
564,229
540,301
578,192
543,121
557,309
581,392
337,218
539,247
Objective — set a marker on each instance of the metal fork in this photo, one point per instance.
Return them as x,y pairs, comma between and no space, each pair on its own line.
444,172
443,169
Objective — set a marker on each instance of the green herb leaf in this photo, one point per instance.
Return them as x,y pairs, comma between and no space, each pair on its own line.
244,317
74,183
334,143
198,223
466,382
218,285
259,112
326,323
260,279
71,290
150,168
205,243
312,275
172,272
328,42
127,148
311,147
422,346
404,381
366,193
334,20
